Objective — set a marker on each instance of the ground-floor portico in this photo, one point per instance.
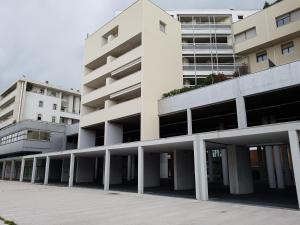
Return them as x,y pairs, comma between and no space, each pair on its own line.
257,165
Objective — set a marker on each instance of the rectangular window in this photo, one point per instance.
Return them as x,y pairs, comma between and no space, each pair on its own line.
32,135
262,56
240,17
54,106
287,48
162,26
53,119
39,116
41,104
283,20
246,35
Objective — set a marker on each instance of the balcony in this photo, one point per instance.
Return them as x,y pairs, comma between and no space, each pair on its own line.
97,97
224,28
8,97
97,78
121,110
207,48
6,122
7,110
211,67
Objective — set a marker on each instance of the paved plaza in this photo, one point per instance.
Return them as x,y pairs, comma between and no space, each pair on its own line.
33,204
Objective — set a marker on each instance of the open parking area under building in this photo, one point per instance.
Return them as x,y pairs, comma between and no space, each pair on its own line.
28,204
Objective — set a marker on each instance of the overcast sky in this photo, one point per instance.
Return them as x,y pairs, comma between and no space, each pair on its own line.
44,39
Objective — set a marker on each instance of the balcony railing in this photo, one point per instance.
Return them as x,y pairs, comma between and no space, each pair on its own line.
211,67
206,46
205,26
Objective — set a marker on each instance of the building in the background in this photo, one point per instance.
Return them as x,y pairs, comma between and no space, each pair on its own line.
32,100
270,37
207,43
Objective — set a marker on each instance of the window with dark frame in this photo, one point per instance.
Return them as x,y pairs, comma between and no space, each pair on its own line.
53,119
283,20
261,57
162,26
39,116
54,106
287,48
41,104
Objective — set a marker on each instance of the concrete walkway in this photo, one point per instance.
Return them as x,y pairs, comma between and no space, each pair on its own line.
28,204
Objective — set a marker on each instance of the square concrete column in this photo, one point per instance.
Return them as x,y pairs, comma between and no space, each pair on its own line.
201,186
22,170
295,150
241,112
47,166
3,170
225,167
270,166
129,168
107,170
278,166
240,174
12,170
33,170
71,170
140,170
189,122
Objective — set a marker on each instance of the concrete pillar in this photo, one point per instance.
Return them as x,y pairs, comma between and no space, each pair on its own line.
240,175
241,112
3,170
113,133
295,153
183,170
201,186
286,165
225,167
22,170
140,170
133,167
278,166
12,170
87,138
189,122
107,170
47,166
129,168
71,170
164,169
210,166
270,167
33,170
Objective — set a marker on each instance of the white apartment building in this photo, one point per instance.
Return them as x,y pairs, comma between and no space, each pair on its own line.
207,43
236,140
32,100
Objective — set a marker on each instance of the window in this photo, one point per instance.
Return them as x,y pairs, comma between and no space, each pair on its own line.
262,56
41,104
283,20
39,116
32,135
287,48
246,35
162,26
54,106
240,17
53,119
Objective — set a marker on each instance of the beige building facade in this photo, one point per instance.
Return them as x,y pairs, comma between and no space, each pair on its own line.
270,37
129,63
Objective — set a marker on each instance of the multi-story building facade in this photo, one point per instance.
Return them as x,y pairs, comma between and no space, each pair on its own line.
269,37
119,103
31,100
237,139
207,43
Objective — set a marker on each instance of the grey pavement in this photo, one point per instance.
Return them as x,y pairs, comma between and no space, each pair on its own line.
33,204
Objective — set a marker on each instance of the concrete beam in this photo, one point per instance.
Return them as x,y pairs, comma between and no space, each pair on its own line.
140,170
295,150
